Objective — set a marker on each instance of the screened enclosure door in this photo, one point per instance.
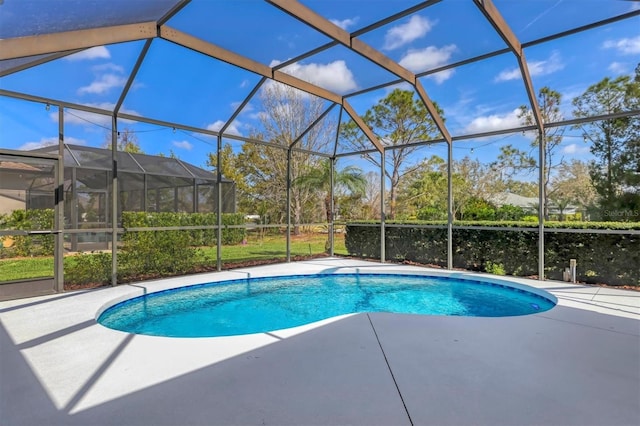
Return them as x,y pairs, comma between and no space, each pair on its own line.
27,225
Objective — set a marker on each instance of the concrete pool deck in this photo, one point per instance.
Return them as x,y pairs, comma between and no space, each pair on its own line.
576,364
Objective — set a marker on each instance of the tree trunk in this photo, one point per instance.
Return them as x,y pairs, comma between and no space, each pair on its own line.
393,195
297,214
327,206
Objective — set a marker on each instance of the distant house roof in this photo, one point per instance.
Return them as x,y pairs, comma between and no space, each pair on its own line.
12,165
514,200
527,203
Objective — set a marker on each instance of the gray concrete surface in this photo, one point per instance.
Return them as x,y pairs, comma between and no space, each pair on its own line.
572,365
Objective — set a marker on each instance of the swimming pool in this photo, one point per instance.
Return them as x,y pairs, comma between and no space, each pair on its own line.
257,305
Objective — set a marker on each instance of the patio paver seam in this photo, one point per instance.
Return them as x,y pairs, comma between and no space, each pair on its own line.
375,333
585,325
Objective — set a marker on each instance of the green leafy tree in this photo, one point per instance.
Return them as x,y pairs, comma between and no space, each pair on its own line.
510,212
424,192
572,186
397,119
615,172
549,101
510,163
480,181
479,209
286,114
231,169
370,208
318,178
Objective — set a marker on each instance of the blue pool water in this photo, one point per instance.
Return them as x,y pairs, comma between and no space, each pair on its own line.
265,304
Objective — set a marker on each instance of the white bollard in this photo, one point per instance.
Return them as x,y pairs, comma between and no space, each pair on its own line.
572,268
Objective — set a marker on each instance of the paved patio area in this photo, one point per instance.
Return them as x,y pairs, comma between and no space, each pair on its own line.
576,364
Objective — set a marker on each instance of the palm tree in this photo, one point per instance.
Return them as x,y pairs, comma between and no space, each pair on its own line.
318,178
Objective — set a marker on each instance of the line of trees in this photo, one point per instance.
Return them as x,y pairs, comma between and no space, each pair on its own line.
615,143
606,187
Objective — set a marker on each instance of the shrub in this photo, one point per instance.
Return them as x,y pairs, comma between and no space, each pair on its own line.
431,213
509,212
170,252
530,218
31,220
155,252
494,268
197,237
479,209
93,268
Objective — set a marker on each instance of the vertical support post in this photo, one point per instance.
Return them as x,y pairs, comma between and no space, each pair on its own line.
219,204
58,227
175,200
332,163
449,205
195,196
541,204
382,210
73,210
114,200
145,196
288,207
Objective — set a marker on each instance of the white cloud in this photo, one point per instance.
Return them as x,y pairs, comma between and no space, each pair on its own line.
345,23
232,129
405,33
401,86
107,67
260,115
53,140
247,108
441,76
536,68
625,46
507,75
103,84
492,122
575,149
108,76
553,64
182,145
419,60
618,68
98,52
334,76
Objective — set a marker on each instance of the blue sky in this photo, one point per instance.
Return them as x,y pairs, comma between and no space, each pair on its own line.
178,85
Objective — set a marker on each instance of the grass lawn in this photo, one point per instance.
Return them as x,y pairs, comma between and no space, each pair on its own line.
256,248
271,247
25,268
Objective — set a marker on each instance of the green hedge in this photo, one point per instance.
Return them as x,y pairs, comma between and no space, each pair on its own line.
87,268
170,252
601,258
30,220
197,237
146,254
